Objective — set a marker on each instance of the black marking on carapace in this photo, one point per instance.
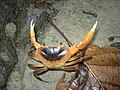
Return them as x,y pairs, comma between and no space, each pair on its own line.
53,53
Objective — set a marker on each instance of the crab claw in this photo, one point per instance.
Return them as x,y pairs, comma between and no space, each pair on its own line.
32,35
73,49
87,38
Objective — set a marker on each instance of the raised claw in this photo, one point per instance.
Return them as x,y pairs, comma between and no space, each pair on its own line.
32,35
87,38
73,49
32,25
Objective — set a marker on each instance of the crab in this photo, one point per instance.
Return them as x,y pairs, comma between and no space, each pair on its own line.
57,57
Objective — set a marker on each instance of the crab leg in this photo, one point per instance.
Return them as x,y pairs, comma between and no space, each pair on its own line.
40,72
70,68
87,38
32,35
73,62
74,58
35,66
80,60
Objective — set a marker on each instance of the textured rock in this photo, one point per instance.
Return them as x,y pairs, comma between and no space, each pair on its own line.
15,81
10,30
2,77
8,59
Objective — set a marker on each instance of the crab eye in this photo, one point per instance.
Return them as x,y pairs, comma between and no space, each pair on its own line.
53,53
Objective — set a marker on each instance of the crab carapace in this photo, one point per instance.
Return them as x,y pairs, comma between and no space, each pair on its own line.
57,57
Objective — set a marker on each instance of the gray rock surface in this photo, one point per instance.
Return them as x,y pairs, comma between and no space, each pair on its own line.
8,59
10,30
71,20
